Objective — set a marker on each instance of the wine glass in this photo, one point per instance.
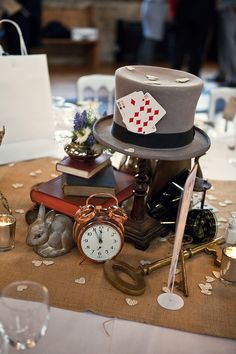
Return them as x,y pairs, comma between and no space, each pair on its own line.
24,313
3,345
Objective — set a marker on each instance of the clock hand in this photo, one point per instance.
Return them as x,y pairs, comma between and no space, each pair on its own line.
99,237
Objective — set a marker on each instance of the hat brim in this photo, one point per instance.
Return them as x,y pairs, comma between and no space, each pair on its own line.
102,133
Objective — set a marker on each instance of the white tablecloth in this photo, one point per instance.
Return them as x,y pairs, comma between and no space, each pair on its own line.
86,333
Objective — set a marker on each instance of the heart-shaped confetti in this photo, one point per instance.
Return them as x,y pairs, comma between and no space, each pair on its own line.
37,263
130,68
222,220
208,286
209,279
80,280
163,239
17,185
38,172
21,287
33,174
131,302
182,80
216,274
206,292
211,197
222,204
151,77
202,286
47,263
228,202
165,289
19,211
54,175
145,261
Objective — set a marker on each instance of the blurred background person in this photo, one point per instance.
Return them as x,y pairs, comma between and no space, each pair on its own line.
227,43
192,24
27,14
153,15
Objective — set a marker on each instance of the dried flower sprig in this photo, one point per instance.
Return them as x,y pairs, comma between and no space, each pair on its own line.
83,129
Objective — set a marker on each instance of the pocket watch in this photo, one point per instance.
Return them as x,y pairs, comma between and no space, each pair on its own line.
98,231
201,225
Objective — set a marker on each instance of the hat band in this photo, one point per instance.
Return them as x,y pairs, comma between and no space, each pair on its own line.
153,140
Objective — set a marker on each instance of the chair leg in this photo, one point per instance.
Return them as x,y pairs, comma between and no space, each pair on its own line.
211,112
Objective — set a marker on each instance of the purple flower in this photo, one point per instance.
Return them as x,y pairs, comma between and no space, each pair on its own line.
91,140
80,120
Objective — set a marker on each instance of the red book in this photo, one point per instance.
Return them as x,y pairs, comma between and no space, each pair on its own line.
85,169
51,194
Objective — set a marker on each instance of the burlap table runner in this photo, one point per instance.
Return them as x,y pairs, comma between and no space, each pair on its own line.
206,314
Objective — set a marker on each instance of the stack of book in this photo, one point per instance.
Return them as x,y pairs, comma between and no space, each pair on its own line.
78,180
81,178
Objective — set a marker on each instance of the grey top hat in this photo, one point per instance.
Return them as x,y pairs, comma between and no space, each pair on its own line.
174,95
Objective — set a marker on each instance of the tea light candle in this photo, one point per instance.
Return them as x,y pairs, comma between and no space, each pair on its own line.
228,264
7,232
231,252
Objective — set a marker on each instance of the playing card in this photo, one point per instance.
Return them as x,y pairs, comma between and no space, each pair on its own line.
128,104
153,113
142,115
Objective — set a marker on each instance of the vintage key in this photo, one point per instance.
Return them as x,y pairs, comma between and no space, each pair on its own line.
113,269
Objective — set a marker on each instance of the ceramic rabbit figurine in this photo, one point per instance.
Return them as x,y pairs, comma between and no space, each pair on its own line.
50,234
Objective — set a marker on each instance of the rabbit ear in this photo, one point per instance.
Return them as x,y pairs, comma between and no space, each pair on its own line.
50,217
41,212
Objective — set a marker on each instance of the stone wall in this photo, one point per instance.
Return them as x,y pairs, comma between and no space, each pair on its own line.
106,13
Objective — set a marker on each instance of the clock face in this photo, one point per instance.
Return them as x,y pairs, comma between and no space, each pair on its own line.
101,241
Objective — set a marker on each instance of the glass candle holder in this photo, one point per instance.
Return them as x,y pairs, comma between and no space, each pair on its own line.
7,232
228,265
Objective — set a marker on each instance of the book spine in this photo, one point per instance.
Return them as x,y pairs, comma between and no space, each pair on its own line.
73,172
50,202
84,192
67,208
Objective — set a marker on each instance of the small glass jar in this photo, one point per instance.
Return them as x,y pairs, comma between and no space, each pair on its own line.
230,235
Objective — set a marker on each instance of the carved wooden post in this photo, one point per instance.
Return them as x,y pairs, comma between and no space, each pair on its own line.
140,190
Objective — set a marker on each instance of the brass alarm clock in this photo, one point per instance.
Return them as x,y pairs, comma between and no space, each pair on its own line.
98,231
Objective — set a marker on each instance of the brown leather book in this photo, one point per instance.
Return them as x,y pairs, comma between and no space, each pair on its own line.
85,169
51,194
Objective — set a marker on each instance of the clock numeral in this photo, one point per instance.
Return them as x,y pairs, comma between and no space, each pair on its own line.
112,247
113,234
85,240
115,241
106,251
92,251
89,233
99,254
88,247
